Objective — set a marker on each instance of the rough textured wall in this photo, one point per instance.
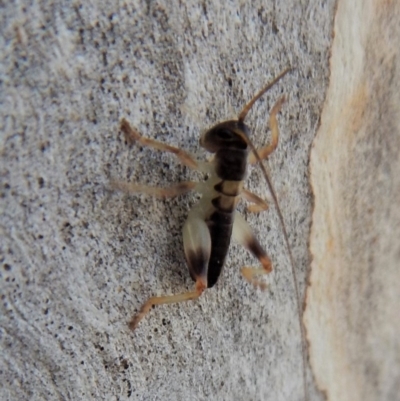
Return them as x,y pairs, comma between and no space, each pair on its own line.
352,314
78,260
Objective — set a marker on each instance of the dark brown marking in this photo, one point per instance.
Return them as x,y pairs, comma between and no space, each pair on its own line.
197,261
220,217
226,204
230,164
220,225
256,249
220,239
226,135
229,188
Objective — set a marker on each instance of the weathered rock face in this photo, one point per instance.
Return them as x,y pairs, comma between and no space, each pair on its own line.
353,302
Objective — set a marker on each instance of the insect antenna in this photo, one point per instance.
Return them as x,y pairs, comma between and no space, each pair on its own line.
249,105
294,275
266,175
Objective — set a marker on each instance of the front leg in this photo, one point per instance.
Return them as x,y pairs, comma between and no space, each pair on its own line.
133,136
273,125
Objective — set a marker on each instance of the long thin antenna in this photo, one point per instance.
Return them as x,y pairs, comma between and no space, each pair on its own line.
294,275
241,118
249,105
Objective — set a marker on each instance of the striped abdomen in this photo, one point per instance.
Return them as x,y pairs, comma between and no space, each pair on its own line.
230,168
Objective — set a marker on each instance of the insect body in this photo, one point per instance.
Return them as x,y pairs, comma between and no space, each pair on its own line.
214,220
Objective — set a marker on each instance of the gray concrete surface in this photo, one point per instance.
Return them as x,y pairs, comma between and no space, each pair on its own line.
77,260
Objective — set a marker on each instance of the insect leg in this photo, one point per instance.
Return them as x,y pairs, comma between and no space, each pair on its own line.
273,125
169,192
132,136
197,245
168,299
259,204
243,234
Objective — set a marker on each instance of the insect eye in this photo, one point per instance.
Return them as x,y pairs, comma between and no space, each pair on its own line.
225,135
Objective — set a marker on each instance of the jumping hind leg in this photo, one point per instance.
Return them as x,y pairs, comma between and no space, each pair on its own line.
197,245
243,234
168,299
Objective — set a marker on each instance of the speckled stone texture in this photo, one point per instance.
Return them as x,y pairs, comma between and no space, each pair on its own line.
78,260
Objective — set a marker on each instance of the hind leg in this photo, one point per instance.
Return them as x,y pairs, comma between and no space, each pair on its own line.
168,299
197,245
243,234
